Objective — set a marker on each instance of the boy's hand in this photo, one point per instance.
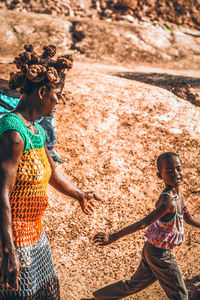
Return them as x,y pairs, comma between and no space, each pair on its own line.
103,238
87,202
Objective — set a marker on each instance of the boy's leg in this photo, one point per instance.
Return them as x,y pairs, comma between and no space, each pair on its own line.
142,278
167,272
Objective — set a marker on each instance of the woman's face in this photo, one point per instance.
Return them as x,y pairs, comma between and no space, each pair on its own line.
50,99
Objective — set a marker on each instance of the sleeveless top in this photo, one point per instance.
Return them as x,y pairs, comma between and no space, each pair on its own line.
28,199
167,235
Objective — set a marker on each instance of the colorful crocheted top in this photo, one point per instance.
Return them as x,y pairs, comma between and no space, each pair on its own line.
28,198
167,235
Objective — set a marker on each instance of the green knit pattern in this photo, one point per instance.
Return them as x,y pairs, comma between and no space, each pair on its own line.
11,121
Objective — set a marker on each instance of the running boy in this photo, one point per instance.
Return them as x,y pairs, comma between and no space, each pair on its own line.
164,232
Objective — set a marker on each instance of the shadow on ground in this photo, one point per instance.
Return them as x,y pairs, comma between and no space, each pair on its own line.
184,87
193,286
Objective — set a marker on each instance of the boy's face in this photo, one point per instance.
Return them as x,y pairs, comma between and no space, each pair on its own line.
171,171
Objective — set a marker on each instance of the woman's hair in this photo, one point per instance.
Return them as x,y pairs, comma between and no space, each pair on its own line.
163,157
35,71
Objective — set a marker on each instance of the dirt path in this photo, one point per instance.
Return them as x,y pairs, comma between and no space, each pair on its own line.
110,132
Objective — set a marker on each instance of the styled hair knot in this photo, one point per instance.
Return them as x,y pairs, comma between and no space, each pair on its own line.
65,62
23,60
41,69
16,80
49,51
28,48
36,73
52,75
35,59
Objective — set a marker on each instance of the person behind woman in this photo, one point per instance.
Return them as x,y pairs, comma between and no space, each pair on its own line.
26,168
164,232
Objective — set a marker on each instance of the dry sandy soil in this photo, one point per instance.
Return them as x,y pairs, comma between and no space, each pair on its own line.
110,132
115,121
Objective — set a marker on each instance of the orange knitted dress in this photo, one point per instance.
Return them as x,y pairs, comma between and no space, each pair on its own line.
28,202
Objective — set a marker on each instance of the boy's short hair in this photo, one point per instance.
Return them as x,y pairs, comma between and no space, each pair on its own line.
163,157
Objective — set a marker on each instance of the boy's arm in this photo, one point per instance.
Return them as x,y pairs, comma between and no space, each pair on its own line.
164,208
189,219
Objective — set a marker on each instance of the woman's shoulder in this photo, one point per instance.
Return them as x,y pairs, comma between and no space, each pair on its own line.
11,121
10,118
10,142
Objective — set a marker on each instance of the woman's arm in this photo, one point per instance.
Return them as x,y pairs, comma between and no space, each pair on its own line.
165,207
60,183
11,149
189,219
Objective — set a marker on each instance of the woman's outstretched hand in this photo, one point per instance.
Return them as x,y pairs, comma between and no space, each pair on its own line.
103,238
87,202
9,269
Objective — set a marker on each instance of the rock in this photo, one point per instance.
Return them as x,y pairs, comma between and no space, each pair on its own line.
128,18
27,28
173,11
157,37
128,41
8,38
127,3
84,4
194,95
79,32
107,12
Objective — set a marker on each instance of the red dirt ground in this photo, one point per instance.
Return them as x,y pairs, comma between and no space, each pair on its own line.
110,132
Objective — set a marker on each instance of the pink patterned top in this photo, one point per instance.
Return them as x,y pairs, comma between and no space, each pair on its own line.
167,235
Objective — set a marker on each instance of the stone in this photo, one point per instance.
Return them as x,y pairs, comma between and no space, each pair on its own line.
26,28
127,3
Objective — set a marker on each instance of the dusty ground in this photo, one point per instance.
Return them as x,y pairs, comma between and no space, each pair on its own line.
110,132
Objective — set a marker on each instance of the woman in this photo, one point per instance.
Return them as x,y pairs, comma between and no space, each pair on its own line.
9,100
26,167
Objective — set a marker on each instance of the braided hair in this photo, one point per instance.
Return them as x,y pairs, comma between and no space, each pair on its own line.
35,71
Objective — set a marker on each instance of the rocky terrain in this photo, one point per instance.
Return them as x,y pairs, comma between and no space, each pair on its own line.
179,12
133,93
119,43
110,132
